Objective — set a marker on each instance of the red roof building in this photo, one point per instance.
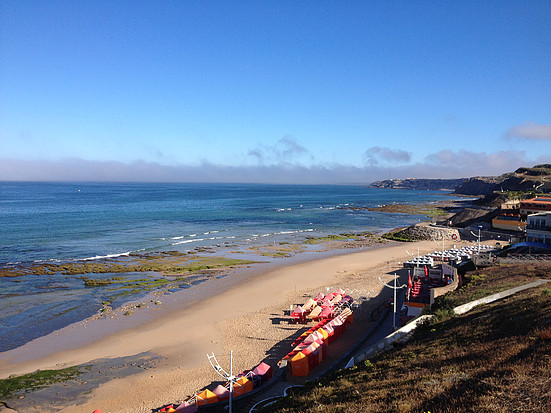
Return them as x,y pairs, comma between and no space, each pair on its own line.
535,205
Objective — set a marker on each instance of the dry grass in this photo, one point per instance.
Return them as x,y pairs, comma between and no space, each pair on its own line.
543,333
495,358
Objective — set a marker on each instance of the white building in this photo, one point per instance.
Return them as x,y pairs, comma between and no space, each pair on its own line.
538,228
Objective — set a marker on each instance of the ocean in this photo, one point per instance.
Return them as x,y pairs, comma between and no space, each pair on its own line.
64,222
76,221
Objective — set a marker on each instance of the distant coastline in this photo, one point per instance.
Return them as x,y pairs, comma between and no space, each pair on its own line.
420,184
522,179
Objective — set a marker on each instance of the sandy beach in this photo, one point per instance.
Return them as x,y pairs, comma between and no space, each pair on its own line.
245,316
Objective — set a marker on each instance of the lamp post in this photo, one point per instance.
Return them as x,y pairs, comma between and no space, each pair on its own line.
229,377
394,288
478,237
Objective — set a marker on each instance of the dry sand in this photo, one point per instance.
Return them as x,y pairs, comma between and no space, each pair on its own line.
248,318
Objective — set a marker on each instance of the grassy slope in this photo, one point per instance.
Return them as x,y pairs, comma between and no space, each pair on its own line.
495,358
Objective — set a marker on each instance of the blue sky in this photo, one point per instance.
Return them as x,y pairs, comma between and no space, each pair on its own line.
263,91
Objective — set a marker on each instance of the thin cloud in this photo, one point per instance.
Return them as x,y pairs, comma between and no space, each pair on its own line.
255,153
288,146
376,153
284,151
530,131
76,170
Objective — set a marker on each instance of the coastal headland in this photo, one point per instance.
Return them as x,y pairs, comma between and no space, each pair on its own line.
244,312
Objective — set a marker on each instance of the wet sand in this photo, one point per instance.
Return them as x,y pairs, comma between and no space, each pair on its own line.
246,315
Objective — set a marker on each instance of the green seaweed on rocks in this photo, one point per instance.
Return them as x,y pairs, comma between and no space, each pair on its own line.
36,380
397,236
172,263
95,282
431,210
339,237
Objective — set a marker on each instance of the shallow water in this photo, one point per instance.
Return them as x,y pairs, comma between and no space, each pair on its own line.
35,305
49,222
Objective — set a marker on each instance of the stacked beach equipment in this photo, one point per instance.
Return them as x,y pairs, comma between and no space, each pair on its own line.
321,307
244,383
450,256
331,313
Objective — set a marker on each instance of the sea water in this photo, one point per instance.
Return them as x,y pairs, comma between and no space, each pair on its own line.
76,221
60,222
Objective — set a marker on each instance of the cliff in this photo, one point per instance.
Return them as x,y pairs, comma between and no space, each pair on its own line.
419,184
478,186
523,179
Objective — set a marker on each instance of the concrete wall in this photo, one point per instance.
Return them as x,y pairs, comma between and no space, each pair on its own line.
447,288
494,297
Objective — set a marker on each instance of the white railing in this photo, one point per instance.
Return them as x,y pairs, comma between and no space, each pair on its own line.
525,257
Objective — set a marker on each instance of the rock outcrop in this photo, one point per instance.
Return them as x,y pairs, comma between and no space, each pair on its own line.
471,216
419,184
424,231
478,186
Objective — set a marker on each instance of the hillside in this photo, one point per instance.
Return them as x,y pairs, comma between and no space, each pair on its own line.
419,184
523,179
495,358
